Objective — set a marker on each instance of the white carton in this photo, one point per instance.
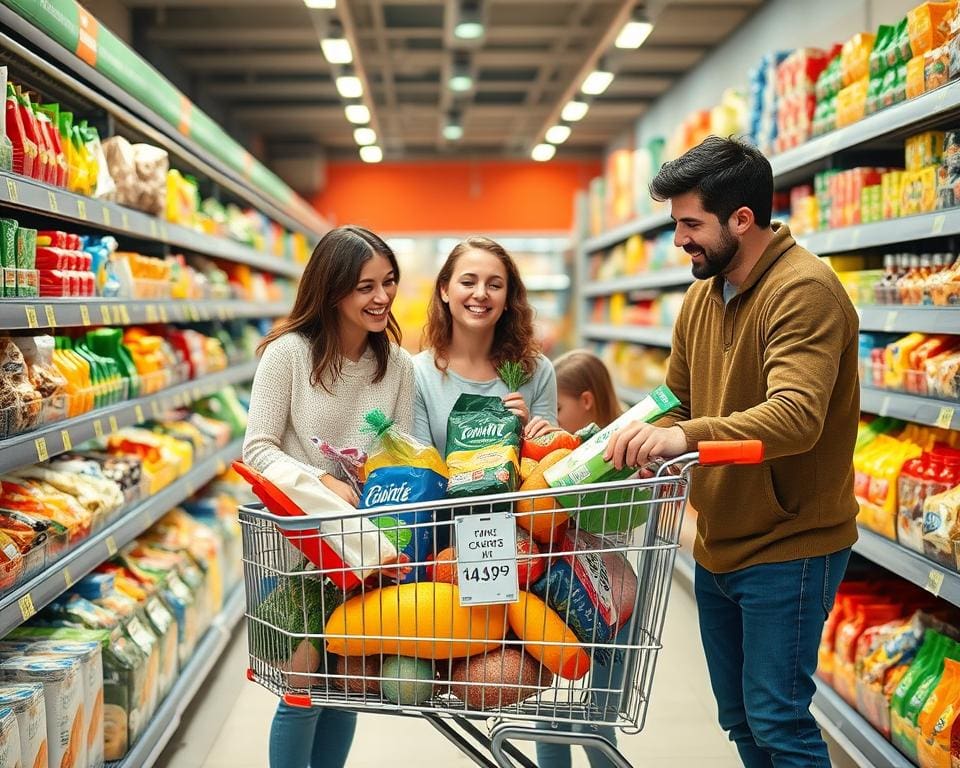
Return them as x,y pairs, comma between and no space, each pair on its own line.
26,701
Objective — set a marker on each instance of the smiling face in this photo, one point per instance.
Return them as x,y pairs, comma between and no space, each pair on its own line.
367,306
477,291
709,242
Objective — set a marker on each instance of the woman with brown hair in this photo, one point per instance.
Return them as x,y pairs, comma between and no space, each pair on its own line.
478,319
336,357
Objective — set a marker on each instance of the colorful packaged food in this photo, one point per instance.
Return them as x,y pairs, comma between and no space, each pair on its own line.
935,721
10,749
941,527
928,25
483,447
26,701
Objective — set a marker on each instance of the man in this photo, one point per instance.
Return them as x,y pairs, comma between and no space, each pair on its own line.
764,348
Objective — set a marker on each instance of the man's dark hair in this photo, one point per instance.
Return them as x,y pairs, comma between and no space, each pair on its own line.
727,174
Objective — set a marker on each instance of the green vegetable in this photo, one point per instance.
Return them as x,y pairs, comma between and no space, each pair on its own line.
298,605
513,375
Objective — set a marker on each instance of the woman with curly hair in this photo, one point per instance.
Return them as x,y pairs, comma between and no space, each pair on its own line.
478,319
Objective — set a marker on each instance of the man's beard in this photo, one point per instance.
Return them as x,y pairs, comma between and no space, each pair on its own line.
715,260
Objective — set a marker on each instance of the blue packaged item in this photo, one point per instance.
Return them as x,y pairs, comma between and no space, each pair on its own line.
95,586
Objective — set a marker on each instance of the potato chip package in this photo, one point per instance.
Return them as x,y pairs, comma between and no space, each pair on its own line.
483,447
401,470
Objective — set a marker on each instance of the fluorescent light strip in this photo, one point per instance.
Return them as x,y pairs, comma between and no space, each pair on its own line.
634,34
365,136
543,152
349,86
558,134
371,154
337,50
358,114
574,111
597,82
326,5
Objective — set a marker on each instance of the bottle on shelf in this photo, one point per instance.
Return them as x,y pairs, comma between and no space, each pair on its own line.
881,291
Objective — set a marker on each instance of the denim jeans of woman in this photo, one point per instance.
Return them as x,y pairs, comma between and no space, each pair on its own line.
761,628
315,737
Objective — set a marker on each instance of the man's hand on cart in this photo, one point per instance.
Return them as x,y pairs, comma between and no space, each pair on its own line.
638,442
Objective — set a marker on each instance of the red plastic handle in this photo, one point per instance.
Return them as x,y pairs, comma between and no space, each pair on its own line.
719,452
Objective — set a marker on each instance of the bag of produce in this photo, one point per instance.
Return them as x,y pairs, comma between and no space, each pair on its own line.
483,447
401,470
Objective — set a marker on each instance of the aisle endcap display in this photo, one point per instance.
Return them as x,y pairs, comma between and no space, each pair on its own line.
663,278
59,437
920,410
652,336
31,195
909,319
25,601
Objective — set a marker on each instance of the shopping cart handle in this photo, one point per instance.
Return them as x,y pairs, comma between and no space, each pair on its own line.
714,453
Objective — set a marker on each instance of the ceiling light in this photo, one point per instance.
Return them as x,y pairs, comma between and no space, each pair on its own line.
461,78
558,134
358,114
469,21
453,128
364,136
336,48
324,4
371,154
635,31
574,111
597,81
349,86
543,152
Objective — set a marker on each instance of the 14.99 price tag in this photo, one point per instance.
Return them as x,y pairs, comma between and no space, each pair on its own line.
487,559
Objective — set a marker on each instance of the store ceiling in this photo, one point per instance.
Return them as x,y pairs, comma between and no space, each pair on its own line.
256,65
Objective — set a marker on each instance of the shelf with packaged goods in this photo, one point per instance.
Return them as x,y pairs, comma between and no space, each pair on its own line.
649,223
60,437
63,71
165,722
653,336
23,602
26,194
883,233
921,410
663,278
53,312
909,319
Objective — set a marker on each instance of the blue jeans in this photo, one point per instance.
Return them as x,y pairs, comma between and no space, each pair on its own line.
761,628
601,677
315,737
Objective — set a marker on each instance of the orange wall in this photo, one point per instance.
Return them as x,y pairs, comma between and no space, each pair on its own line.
455,197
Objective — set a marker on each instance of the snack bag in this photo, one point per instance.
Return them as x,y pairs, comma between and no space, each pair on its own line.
483,447
936,719
401,470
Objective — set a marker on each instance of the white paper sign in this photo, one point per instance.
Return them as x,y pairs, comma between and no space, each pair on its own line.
487,559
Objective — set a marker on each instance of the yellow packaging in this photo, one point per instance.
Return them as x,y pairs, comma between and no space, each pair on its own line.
890,184
852,102
935,720
924,149
618,306
928,26
916,84
918,191
855,58
896,356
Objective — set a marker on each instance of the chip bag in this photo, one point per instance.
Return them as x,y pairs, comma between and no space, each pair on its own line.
483,447
401,470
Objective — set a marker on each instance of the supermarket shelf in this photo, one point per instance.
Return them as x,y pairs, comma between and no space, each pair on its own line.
22,603
546,283
36,197
51,312
636,227
662,278
652,336
854,734
922,410
631,396
882,233
907,319
60,436
909,565
167,718
907,115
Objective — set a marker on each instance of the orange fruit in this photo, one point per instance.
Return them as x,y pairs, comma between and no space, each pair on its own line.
541,516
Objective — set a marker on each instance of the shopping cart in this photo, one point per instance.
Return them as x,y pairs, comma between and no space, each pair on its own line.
575,649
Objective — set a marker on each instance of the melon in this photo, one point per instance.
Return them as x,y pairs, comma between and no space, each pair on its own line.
497,679
407,681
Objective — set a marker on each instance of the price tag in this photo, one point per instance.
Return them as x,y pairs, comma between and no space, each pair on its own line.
138,413
197,393
162,310
98,428
934,581
26,606
151,311
938,222
890,321
945,417
52,200
114,427
154,230
65,438
67,578
106,216
487,553
105,314
124,314
164,233
82,209
13,194
51,315
42,453
125,220
31,313
155,409
885,405
221,466
84,314
117,316
111,546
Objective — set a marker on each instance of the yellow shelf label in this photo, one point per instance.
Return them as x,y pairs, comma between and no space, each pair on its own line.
164,318
117,316
138,413
65,438
111,546
105,314
124,314
12,192
106,216
51,315
890,321
945,417
114,427
197,393
52,201
221,466
98,428
85,314
31,312
155,409
938,223
82,209
125,220
26,606
885,405
151,311
67,578
154,229
42,453
934,581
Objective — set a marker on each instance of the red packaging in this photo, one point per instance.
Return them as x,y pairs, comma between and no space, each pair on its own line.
53,238
51,258
44,130
74,243
31,131
24,148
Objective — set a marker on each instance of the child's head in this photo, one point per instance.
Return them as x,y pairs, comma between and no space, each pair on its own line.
585,391
479,289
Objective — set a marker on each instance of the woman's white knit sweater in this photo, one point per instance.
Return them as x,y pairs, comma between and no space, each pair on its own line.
286,410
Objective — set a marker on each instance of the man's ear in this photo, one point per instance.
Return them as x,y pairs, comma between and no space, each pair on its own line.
587,400
741,220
